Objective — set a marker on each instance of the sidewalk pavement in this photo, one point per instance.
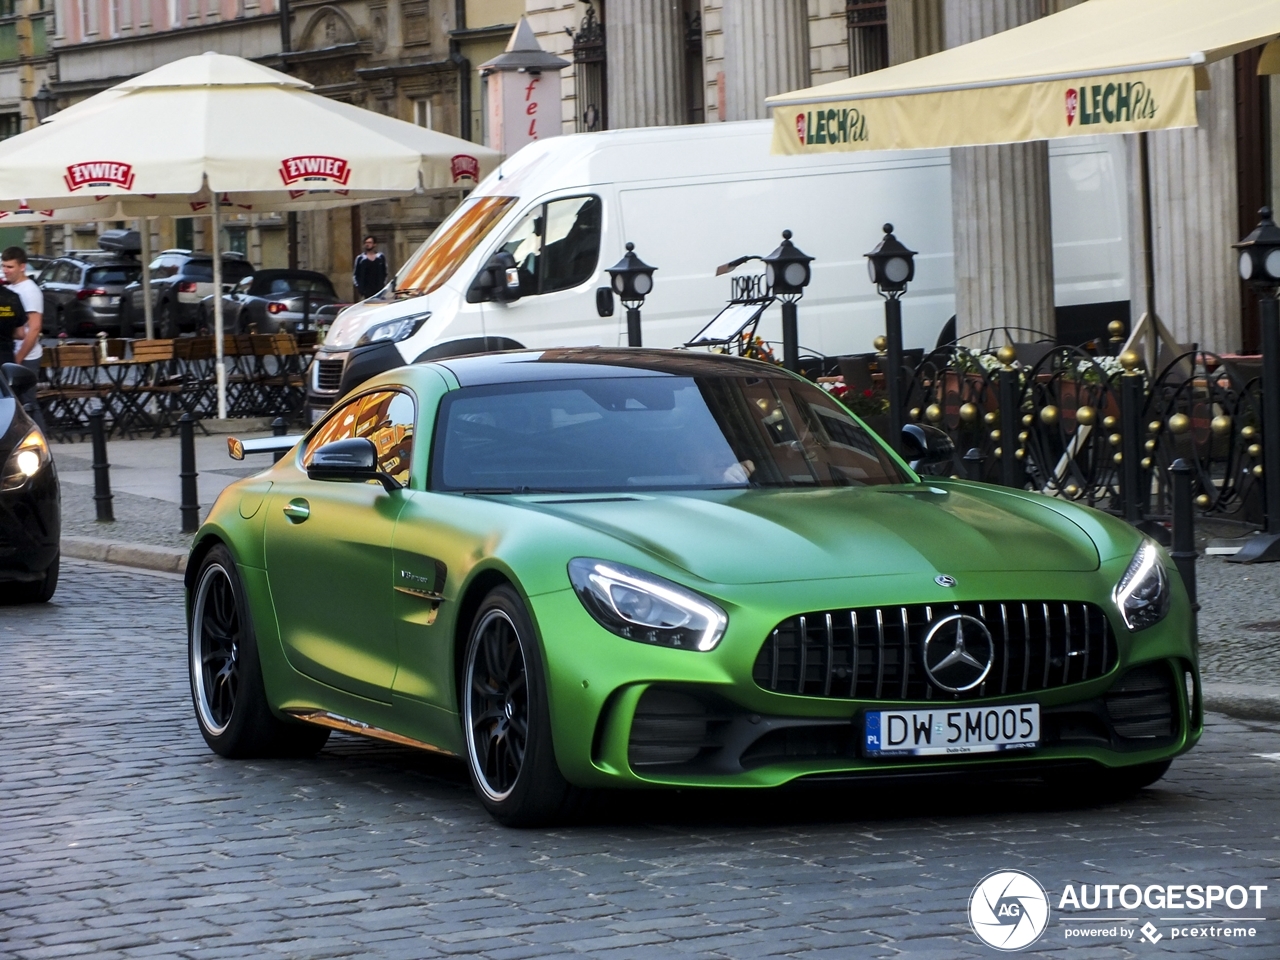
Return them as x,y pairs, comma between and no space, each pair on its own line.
1239,618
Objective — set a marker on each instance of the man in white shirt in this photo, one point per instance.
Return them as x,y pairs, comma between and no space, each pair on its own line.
26,344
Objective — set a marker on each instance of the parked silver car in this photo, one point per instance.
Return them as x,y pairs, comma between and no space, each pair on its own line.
82,292
273,300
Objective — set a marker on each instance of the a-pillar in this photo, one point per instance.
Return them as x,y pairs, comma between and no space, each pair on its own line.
766,51
644,48
1000,204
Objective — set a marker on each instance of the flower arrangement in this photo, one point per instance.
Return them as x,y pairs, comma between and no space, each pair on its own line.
754,347
864,403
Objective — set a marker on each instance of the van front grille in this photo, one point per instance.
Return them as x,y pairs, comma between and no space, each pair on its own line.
329,375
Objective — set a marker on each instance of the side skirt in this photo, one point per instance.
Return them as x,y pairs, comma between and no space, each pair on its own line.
323,718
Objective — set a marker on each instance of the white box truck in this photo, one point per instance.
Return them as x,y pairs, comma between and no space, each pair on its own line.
520,262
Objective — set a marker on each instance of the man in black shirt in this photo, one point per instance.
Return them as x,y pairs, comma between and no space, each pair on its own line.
370,273
12,317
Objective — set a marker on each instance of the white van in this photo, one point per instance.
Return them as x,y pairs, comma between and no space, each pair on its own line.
560,211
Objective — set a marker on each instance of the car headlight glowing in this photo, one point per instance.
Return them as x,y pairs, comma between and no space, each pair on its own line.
648,609
1143,592
25,461
393,330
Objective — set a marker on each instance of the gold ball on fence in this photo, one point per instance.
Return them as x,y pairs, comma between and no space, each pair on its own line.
1116,329
1109,423
1130,361
1028,420
1007,355
1150,446
1115,439
1118,458
1203,501
1221,426
1071,490
1086,416
995,434
933,413
1248,432
1020,453
992,417
968,412
1179,423
881,344
1049,415
915,413
1257,471
1146,463
998,451
1154,426
1255,450
1022,437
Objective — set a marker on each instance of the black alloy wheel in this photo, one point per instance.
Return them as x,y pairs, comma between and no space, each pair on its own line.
507,724
215,649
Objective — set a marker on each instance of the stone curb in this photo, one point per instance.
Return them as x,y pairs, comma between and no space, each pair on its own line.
1244,701
168,559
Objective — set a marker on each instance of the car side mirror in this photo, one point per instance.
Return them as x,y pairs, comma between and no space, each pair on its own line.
604,301
925,446
499,280
20,378
354,460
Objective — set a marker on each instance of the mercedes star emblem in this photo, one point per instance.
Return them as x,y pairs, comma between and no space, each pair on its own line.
943,580
958,653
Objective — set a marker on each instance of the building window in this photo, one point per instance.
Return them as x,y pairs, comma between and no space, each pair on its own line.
868,36
8,8
416,16
423,115
184,233
10,125
589,68
238,240
8,41
695,76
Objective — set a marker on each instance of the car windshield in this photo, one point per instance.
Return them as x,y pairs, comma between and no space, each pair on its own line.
436,260
651,433
202,270
120,274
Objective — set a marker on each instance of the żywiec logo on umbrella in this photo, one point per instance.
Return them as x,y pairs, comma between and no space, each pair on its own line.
1110,103
315,170
464,167
99,173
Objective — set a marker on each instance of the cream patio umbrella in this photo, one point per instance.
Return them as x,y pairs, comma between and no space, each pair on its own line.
211,131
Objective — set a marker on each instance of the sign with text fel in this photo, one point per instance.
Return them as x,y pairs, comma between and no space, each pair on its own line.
523,93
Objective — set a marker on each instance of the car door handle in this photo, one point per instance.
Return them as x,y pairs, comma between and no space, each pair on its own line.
297,510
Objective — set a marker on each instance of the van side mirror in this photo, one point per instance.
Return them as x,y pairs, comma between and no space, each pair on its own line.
604,301
499,280
926,446
354,460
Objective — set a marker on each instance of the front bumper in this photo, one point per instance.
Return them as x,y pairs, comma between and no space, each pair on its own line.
628,714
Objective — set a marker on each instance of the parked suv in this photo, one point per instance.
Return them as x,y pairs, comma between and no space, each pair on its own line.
82,291
180,279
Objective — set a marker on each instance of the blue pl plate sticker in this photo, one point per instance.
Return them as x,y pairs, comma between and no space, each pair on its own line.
873,731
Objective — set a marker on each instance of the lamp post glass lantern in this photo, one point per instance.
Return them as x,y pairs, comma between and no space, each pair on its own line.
1259,266
632,280
44,103
787,272
891,267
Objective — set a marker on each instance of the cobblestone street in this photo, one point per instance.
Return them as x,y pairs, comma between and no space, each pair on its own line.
123,836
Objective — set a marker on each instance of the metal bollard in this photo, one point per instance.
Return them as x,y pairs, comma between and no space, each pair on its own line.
190,501
1012,473
1184,528
278,429
1134,485
973,464
101,470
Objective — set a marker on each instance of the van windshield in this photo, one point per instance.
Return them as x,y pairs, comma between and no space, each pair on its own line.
435,262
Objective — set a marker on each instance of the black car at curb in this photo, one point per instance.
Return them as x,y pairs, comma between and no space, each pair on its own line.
30,504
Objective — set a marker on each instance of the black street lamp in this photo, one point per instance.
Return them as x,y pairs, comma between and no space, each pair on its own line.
44,103
892,266
786,270
632,281
1260,267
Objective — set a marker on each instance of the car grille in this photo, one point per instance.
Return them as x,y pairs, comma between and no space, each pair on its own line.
875,653
329,375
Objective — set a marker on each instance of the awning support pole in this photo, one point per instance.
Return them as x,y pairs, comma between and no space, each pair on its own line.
217,310
148,313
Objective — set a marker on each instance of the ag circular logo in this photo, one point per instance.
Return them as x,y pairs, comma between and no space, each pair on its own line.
1008,910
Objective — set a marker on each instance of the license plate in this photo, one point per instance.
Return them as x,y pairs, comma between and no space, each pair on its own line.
951,732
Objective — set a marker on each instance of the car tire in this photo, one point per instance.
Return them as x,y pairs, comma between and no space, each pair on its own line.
227,688
166,322
507,724
126,319
35,591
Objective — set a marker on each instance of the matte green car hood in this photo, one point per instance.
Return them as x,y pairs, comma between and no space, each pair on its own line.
762,536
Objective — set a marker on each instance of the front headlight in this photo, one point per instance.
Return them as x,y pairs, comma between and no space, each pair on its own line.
393,330
646,608
1143,592
26,460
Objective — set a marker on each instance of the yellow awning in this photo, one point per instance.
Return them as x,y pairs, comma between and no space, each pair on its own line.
1103,66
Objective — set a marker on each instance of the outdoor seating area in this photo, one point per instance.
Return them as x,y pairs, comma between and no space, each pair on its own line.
142,387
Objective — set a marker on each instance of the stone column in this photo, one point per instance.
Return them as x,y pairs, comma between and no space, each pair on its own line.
766,51
1000,204
915,29
644,49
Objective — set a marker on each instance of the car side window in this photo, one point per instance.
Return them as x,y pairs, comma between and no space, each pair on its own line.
385,417
243,286
556,245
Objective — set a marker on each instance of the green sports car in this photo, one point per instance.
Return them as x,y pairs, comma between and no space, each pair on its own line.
592,567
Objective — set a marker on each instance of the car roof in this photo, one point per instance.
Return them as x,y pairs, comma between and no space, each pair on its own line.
99,258
576,363
276,274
